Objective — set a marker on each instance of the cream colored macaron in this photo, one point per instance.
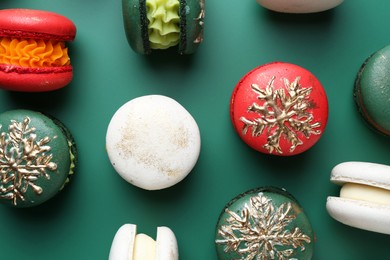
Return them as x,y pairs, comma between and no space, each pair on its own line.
153,142
364,200
299,6
128,245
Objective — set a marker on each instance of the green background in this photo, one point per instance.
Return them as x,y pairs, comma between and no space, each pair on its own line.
81,222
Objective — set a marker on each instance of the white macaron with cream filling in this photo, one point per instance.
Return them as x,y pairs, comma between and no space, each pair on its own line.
128,245
364,200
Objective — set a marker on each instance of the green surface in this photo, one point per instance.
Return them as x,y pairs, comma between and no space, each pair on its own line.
81,222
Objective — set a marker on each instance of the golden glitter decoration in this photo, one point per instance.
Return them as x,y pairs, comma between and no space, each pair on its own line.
259,231
284,113
23,161
200,20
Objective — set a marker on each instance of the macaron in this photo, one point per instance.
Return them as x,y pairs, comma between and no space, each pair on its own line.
279,108
299,6
37,157
264,223
364,200
33,54
153,142
161,24
372,91
128,245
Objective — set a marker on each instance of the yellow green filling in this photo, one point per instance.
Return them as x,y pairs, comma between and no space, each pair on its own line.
72,165
163,27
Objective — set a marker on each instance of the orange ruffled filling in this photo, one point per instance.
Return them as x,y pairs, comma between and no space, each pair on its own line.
33,53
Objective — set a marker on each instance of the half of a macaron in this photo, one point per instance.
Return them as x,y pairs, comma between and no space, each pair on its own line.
33,54
156,24
299,6
364,200
372,90
37,157
128,245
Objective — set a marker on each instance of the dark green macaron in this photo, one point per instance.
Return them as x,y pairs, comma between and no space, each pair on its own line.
264,223
372,90
37,157
162,24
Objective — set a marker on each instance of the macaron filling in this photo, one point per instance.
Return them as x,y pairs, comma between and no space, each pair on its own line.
144,248
33,53
163,23
362,192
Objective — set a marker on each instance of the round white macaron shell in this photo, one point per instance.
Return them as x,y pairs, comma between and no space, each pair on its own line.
166,244
360,214
123,244
372,174
153,142
299,6
363,213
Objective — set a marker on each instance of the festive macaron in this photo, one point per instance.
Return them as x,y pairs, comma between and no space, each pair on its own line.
33,55
372,91
128,245
264,223
161,24
153,142
279,108
299,6
364,200
37,157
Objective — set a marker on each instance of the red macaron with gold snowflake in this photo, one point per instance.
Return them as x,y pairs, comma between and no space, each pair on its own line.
279,108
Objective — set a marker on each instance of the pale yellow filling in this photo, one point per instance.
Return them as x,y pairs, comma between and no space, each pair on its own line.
144,248
365,193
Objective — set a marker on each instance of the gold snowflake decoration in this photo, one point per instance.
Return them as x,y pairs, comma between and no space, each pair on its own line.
284,113
23,161
259,231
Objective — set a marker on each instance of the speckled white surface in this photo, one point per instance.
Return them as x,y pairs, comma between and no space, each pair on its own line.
153,142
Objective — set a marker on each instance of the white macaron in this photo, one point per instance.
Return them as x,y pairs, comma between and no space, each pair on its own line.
128,245
153,142
364,200
299,6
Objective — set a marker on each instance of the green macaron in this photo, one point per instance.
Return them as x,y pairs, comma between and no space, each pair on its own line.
37,157
372,90
162,24
264,223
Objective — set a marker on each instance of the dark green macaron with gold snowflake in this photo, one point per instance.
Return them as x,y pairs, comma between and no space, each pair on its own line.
37,157
162,24
264,223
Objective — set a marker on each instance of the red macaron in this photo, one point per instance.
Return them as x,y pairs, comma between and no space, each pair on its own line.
33,55
279,108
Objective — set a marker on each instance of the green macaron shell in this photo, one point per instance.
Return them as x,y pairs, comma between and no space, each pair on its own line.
372,90
136,25
37,157
264,223
191,25
192,14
